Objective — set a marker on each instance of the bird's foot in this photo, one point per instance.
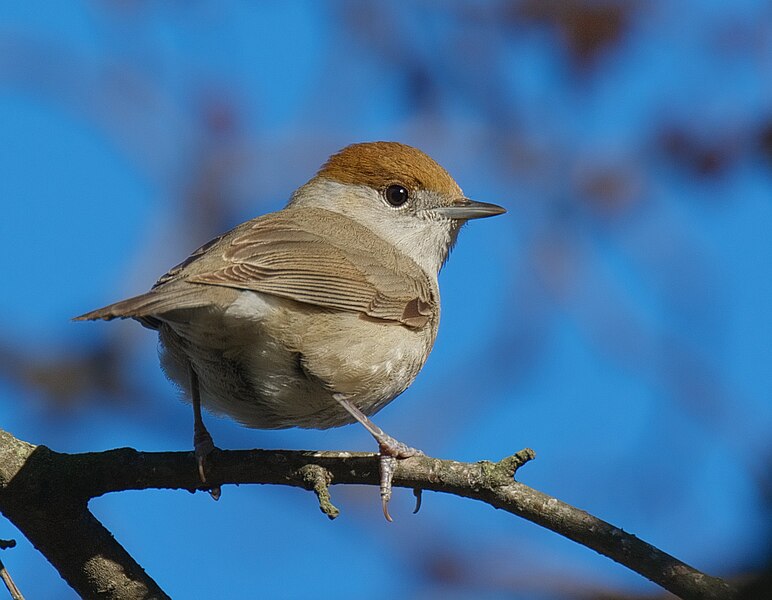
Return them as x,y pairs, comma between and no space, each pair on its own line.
390,451
202,448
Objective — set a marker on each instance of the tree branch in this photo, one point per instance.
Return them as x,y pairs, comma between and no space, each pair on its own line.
45,494
40,496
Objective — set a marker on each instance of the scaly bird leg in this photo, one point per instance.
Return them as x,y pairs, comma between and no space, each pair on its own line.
202,440
390,450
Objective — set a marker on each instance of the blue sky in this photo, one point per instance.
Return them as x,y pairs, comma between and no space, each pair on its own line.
615,320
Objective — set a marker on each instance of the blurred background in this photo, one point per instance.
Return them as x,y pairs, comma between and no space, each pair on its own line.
617,319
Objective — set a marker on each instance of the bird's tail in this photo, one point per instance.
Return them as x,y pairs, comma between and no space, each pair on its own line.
152,303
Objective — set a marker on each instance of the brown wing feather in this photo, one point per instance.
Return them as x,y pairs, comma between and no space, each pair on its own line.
339,265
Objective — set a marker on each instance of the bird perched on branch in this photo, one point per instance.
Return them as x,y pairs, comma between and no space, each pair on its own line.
321,313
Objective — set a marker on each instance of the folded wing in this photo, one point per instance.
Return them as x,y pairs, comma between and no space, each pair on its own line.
319,258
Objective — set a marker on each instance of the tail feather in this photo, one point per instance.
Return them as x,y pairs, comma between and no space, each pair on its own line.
153,303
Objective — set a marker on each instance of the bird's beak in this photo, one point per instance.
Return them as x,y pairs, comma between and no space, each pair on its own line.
464,209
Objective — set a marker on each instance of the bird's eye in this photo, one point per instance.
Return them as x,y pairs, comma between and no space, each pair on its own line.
396,194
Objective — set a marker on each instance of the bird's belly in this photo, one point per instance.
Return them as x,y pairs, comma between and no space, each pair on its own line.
274,366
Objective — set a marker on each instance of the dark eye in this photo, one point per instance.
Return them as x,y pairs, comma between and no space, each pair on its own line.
396,194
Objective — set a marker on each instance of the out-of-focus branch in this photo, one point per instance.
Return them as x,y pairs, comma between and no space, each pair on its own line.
45,494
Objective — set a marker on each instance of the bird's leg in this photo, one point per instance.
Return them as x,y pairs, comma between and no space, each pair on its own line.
390,450
202,440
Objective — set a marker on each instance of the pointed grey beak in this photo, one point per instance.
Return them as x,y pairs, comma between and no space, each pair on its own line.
465,209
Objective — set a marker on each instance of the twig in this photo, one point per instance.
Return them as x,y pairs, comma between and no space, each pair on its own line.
318,480
6,576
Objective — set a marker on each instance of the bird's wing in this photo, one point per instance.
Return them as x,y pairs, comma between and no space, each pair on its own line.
331,262
318,257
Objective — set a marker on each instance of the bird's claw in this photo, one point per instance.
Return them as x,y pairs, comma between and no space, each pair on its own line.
417,492
387,464
390,451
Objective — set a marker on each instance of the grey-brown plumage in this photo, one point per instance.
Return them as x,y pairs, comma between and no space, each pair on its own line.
313,257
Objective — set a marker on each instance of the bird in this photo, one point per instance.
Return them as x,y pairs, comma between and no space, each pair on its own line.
319,314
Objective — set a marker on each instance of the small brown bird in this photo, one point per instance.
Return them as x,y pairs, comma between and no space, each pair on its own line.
319,314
